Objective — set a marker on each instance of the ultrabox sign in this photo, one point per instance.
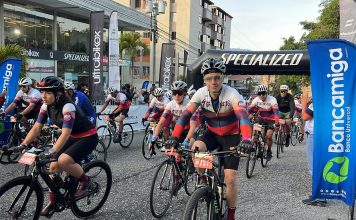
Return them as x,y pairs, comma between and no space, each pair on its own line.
333,77
167,66
96,55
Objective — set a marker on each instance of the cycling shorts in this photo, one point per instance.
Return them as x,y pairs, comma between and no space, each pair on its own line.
284,115
269,123
124,112
79,148
167,123
213,141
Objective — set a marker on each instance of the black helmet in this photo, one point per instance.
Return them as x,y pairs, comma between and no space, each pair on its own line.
51,83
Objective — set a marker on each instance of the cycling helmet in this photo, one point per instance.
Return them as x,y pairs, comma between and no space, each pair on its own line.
213,65
51,83
158,92
191,91
111,89
26,81
179,85
69,85
262,88
284,87
169,94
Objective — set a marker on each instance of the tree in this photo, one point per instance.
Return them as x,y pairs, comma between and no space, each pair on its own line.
131,41
14,51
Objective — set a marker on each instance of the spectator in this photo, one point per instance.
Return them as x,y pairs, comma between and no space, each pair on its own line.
140,97
82,87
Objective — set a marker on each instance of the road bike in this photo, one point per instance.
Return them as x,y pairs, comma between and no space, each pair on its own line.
175,172
209,201
149,149
22,197
109,133
296,133
281,137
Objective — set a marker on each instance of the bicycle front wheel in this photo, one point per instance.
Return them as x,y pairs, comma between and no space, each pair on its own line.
105,135
126,136
161,189
279,144
263,152
190,176
19,200
251,161
100,174
200,205
146,148
294,135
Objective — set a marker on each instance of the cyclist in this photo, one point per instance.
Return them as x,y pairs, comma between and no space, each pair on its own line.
120,111
173,109
286,108
157,106
298,112
168,95
226,121
191,92
29,98
81,100
266,108
78,137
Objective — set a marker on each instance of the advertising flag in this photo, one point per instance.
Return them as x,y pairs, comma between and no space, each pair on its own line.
114,66
166,76
333,80
96,56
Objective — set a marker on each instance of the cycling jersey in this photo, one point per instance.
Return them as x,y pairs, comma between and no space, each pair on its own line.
32,96
157,106
298,107
83,102
65,114
120,99
286,104
221,117
174,110
267,109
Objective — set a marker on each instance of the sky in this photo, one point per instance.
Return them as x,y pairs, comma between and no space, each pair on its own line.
262,25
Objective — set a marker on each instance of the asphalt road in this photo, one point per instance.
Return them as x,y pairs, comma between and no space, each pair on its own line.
275,192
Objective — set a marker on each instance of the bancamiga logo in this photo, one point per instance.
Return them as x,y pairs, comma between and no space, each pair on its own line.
336,178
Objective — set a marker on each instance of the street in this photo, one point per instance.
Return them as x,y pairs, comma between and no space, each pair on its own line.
274,192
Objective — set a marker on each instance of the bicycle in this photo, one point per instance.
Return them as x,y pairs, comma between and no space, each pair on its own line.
29,197
281,137
213,193
259,143
148,149
296,135
170,177
108,131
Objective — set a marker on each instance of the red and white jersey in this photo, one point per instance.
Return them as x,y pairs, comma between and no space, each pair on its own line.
175,109
33,96
159,105
267,109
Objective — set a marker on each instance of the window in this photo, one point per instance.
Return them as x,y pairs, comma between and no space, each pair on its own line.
137,3
173,1
173,35
146,34
200,19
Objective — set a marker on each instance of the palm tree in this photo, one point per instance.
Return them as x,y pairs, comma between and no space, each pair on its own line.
14,51
131,41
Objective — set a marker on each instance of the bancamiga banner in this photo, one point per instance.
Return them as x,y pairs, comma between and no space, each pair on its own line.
348,20
166,76
96,55
333,79
114,67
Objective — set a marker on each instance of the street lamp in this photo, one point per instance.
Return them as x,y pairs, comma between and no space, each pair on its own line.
154,7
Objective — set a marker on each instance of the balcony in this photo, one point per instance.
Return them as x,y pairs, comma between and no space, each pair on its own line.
217,20
207,15
216,36
207,30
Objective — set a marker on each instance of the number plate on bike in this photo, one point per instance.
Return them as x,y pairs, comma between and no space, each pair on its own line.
27,158
153,123
203,160
257,127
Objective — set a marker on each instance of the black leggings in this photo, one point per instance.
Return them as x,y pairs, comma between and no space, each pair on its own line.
79,148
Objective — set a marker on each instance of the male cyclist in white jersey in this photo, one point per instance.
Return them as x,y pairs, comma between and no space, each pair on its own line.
227,123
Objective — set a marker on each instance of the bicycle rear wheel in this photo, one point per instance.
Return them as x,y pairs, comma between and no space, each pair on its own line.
190,176
200,205
19,200
105,135
94,200
161,189
251,160
126,136
146,152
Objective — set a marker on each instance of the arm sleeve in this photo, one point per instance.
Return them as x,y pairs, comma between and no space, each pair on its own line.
150,108
68,115
241,114
251,108
42,116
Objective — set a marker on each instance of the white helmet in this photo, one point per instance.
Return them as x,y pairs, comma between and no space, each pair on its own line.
168,94
191,91
158,92
111,89
213,64
179,85
262,88
26,81
284,87
69,85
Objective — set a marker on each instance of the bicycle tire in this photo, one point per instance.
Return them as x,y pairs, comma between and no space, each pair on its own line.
202,194
13,140
279,143
190,176
105,134
146,140
284,141
100,152
264,160
251,161
294,135
25,182
126,136
105,190
167,168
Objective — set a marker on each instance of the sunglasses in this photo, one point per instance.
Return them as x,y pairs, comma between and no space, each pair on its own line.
23,86
179,93
261,93
215,78
283,91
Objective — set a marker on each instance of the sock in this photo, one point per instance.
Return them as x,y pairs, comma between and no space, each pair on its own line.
231,213
51,197
83,178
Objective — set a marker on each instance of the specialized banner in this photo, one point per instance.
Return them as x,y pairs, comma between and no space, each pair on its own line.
333,80
166,75
96,56
348,20
114,67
